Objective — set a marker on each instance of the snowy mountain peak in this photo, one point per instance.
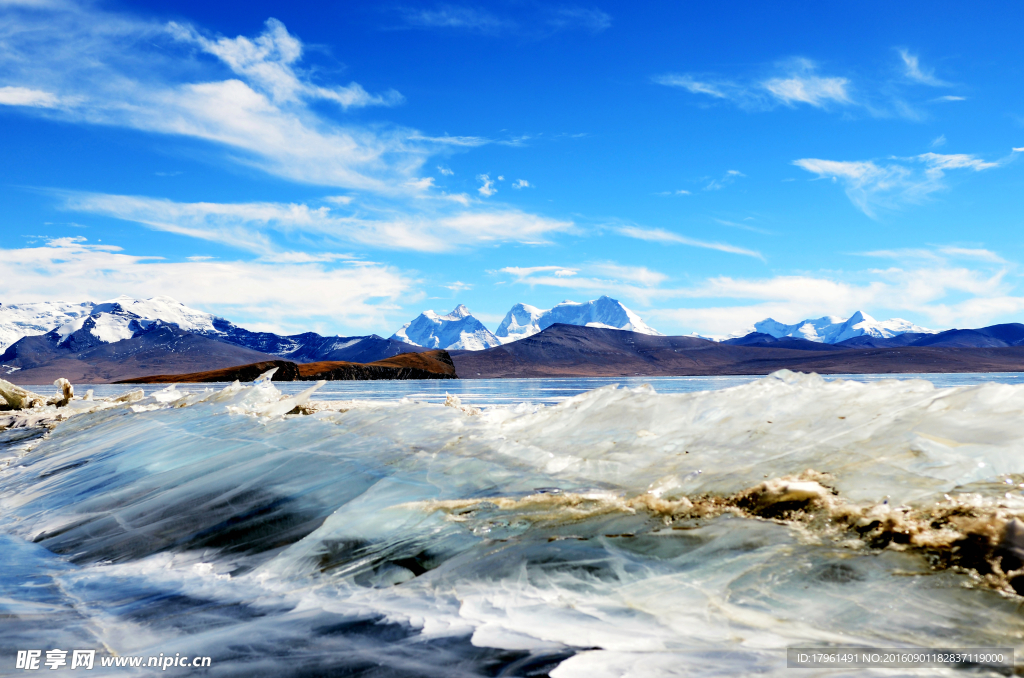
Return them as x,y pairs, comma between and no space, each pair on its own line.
520,322
458,313
832,329
458,330
524,321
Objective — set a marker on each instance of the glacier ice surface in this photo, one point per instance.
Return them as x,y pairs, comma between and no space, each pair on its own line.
415,537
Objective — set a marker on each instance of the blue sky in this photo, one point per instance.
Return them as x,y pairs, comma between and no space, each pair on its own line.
343,166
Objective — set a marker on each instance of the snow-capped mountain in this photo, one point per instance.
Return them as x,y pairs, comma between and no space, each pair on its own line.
523,320
31,319
77,327
107,321
831,329
458,330
124,317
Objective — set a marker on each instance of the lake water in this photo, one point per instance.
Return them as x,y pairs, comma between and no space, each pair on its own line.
484,392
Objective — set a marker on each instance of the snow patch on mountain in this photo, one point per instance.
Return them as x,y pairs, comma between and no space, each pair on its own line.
832,329
458,330
524,321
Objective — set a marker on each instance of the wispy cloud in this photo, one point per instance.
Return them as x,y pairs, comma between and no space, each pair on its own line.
797,82
938,254
445,171
603,277
258,227
727,178
273,295
466,141
452,16
542,22
912,69
803,85
660,235
522,272
168,78
719,90
585,18
521,183
143,75
744,227
899,181
268,63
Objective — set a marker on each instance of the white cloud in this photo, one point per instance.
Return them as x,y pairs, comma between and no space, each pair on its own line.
939,286
522,183
169,79
448,16
940,253
468,142
798,83
744,227
22,96
427,227
881,293
890,185
268,63
521,272
809,89
282,296
913,70
549,20
445,171
718,184
640,275
668,237
139,75
689,83
487,189
939,141
629,282
590,19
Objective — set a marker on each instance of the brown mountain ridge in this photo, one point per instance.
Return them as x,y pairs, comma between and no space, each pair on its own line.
426,365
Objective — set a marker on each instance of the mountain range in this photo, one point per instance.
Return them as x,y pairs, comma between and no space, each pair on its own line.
833,330
73,328
573,351
460,330
125,338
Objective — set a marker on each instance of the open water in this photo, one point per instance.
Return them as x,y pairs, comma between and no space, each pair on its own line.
671,526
